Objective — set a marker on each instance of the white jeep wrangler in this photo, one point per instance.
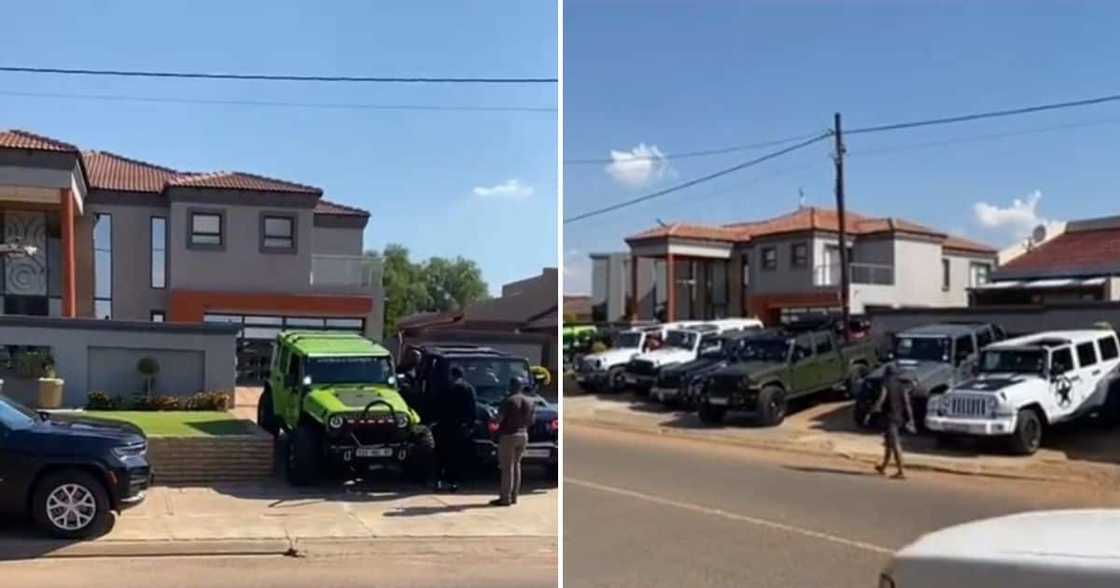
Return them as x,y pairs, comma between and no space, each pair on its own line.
605,371
1023,385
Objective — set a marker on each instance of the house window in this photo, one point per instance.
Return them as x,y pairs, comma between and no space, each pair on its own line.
799,253
206,230
979,274
103,266
159,252
158,316
945,282
278,233
769,258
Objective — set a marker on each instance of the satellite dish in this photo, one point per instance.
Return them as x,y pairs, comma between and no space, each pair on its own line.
1038,235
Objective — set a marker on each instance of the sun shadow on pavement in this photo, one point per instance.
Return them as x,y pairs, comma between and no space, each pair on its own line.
835,471
423,511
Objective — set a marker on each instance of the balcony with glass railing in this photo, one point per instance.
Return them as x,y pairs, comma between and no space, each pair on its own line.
345,272
858,273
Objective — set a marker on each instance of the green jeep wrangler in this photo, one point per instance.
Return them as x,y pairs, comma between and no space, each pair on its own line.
335,397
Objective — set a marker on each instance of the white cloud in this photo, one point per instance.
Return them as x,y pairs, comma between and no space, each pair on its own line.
511,189
639,166
1013,222
577,273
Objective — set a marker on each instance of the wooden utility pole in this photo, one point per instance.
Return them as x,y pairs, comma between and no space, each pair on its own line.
845,310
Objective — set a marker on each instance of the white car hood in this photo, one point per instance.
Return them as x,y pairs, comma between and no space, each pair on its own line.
612,357
1011,387
662,357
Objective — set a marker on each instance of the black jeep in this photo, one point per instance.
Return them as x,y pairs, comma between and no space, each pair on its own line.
69,474
424,376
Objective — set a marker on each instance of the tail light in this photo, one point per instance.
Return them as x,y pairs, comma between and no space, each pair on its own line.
492,426
555,425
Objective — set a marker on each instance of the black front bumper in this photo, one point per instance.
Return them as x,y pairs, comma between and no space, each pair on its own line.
130,484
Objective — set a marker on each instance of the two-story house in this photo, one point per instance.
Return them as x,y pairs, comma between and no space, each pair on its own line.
112,237
780,267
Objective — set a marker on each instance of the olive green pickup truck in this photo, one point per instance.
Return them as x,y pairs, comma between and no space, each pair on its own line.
775,366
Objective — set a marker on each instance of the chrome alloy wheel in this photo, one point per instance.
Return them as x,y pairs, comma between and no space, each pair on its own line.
71,507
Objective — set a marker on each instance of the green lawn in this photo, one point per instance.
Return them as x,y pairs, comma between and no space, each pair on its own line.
178,423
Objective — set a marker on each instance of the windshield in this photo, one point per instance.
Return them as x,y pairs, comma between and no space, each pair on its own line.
490,377
628,340
922,348
681,339
14,415
350,370
763,350
1019,361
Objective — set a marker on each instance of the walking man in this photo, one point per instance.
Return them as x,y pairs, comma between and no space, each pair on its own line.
452,430
513,436
894,405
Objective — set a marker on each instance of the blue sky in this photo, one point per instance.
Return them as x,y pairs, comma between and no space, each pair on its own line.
677,76
416,171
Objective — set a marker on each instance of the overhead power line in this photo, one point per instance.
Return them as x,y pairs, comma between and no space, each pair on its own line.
690,154
983,115
277,77
281,104
699,180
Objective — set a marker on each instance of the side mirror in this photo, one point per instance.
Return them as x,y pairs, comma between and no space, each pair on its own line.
541,375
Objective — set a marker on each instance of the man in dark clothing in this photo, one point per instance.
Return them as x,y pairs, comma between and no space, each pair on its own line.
516,416
894,405
452,430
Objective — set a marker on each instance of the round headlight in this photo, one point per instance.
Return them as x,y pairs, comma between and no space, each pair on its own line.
402,420
993,403
335,422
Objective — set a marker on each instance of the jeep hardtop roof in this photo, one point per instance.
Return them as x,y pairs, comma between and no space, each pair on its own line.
329,344
944,329
1050,339
464,350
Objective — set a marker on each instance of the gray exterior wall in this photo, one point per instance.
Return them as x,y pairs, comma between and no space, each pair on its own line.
336,241
74,341
784,278
133,296
240,265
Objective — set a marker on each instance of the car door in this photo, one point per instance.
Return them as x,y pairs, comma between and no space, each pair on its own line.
1062,375
292,384
831,366
1090,372
17,467
276,380
804,373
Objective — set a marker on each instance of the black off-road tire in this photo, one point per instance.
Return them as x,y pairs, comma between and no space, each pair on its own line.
102,520
266,415
855,381
616,380
1027,437
1110,412
772,406
305,455
712,415
420,463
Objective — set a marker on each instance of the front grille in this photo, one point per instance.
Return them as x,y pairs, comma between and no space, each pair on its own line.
669,380
968,406
582,365
642,367
375,434
723,383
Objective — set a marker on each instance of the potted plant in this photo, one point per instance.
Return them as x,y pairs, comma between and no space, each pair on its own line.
40,365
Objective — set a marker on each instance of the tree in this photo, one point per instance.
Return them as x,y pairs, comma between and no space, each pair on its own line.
437,285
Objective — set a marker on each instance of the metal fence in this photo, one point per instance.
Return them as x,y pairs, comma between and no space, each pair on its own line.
345,270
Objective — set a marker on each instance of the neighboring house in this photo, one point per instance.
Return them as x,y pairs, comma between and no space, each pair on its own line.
523,320
778,268
123,239
1041,234
1078,265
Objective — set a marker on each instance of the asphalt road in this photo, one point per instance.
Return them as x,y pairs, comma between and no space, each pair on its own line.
640,510
420,571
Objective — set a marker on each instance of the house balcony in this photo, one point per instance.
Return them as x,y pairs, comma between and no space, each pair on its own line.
345,272
871,274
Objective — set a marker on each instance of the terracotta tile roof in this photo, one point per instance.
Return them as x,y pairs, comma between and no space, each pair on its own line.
109,171
804,219
241,181
962,244
328,207
1069,254
15,139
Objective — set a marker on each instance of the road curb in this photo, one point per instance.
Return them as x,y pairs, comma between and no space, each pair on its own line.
56,549
914,462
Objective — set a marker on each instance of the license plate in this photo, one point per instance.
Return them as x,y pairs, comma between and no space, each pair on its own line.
538,453
374,452
718,401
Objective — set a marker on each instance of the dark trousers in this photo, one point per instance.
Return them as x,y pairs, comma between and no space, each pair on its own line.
451,441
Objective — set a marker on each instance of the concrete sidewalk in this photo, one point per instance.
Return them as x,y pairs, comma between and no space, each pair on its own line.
1081,452
272,518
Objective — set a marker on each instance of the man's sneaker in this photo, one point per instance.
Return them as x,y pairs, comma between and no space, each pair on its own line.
499,502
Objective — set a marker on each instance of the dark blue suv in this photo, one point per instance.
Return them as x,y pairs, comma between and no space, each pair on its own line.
69,474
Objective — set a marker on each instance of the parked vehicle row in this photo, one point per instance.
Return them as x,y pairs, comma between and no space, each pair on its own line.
345,409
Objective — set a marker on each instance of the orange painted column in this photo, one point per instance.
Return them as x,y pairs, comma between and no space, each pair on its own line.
671,285
69,267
